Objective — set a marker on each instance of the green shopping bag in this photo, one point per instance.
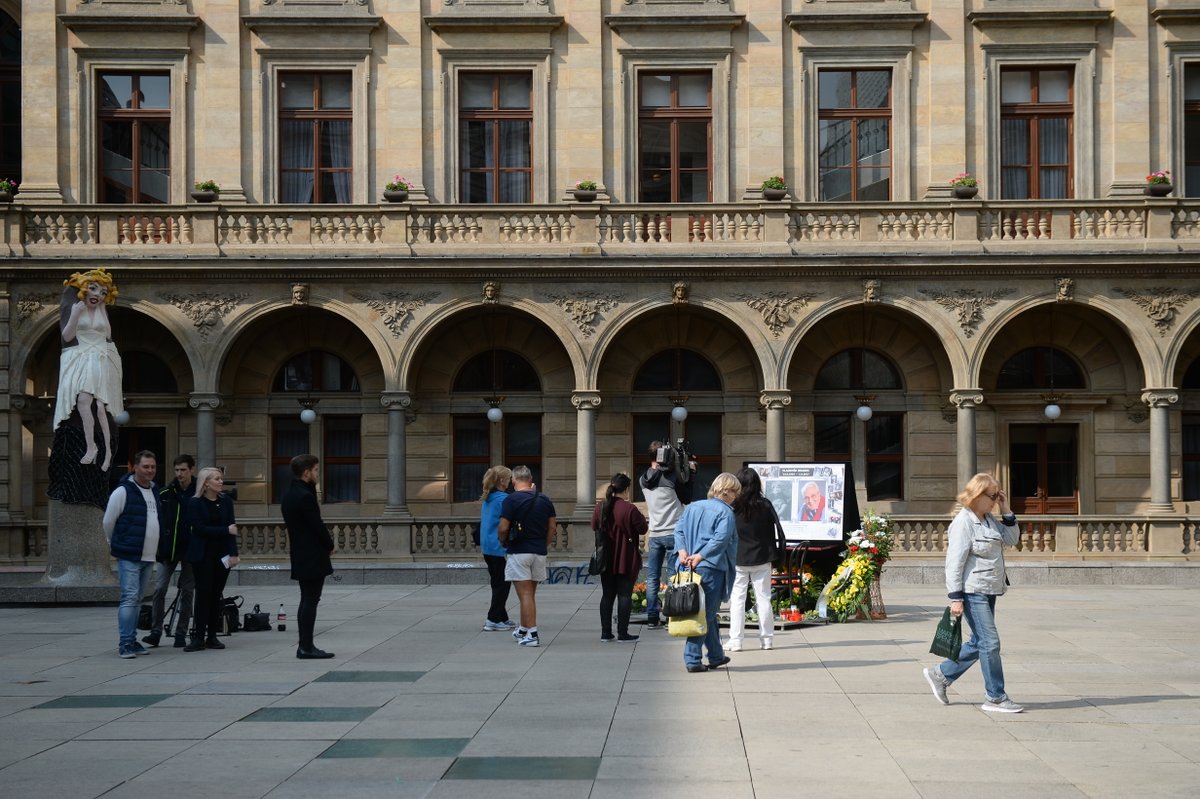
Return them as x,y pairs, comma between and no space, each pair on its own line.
947,639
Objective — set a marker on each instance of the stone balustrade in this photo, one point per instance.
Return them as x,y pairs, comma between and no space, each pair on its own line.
24,544
405,230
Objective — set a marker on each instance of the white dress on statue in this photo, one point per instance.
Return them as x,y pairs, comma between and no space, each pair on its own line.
92,365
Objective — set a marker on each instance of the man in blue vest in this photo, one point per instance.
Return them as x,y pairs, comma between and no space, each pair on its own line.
131,524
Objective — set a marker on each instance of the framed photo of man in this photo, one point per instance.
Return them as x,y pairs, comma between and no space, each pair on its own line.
811,498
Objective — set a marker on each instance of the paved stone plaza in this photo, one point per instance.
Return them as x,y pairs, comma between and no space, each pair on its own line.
419,702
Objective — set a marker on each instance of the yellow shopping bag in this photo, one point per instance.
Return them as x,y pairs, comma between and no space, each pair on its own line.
695,624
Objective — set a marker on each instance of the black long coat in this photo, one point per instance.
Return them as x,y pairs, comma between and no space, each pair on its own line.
309,542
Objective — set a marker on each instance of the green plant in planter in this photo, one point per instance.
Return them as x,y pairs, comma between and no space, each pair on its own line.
1159,177
587,184
397,183
964,180
8,185
208,185
774,182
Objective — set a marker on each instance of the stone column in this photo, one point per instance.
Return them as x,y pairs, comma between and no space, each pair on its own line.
1131,60
586,403
944,97
397,404
766,102
396,527
41,102
775,402
1160,401
218,106
966,400
205,404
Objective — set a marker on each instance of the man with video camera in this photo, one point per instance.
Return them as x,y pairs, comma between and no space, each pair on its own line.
667,487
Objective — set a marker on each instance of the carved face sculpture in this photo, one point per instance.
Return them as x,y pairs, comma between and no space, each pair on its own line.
871,290
299,294
679,292
95,294
491,290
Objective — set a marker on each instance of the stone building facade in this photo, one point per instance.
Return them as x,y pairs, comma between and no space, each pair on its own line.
492,285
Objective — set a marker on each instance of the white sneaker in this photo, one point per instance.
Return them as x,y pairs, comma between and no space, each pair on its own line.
495,626
518,634
938,684
733,646
529,640
766,643
1005,705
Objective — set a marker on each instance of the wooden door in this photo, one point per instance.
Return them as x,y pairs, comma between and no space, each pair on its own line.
1044,464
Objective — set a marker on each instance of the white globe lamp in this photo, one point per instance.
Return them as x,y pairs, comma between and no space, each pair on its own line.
494,414
308,416
122,418
1053,411
864,412
679,413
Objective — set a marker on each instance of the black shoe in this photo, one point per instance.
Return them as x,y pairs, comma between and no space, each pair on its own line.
312,653
180,641
654,625
212,643
195,645
606,637
152,639
627,639
697,669
719,663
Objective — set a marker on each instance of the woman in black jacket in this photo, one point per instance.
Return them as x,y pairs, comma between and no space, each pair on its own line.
212,552
759,542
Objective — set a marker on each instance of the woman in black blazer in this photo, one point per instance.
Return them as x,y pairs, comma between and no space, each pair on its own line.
212,552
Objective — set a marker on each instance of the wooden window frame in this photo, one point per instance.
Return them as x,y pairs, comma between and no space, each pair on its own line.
533,461
135,117
1033,112
316,115
857,115
342,460
282,460
457,460
883,457
674,114
497,114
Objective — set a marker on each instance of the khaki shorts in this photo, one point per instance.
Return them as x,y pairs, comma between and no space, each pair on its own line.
525,566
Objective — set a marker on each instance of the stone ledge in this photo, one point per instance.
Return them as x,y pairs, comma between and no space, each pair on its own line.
1031,572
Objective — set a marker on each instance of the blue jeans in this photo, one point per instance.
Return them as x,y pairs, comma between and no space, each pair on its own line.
135,579
983,645
658,549
713,584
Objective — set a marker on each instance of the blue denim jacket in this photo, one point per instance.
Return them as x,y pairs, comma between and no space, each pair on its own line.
707,528
975,554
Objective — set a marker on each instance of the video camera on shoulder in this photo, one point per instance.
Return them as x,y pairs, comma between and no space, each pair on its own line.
675,459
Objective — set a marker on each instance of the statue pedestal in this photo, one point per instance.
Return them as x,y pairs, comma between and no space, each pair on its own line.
78,566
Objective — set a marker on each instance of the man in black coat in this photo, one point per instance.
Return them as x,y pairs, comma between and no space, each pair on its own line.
309,544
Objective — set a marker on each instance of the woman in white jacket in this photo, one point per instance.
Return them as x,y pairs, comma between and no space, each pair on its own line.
974,578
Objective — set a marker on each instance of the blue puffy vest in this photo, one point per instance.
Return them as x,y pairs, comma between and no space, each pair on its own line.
129,534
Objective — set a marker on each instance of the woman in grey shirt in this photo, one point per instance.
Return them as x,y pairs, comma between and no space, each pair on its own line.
974,578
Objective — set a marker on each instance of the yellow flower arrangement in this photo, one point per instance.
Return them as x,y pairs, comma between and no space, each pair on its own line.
846,592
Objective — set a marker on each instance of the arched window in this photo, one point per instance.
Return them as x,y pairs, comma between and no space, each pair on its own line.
1038,367
1191,438
857,368
677,370
10,98
1191,378
839,436
145,373
500,370
316,370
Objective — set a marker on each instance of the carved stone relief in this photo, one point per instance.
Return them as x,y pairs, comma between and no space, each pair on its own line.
30,305
872,288
204,308
1160,304
1064,289
491,292
395,308
967,305
584,310
299,294
777,307
679,292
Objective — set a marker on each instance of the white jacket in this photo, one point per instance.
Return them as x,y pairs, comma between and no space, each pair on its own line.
975,554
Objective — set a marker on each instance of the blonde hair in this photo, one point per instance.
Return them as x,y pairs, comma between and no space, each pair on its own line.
204,476
724,482
80,280
493,478
976,487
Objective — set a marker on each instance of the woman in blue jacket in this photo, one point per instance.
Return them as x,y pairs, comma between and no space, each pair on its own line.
212,551
495,488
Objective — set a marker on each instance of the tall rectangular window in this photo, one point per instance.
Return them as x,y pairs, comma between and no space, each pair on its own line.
882,449
10,98
523,443
341,458
675,137
1036,133
472,455
854,117
495,136
1191,457
134,120
702,431
289,438
315,126
1191,130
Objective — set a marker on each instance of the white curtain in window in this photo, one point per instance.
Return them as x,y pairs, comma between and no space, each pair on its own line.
296,148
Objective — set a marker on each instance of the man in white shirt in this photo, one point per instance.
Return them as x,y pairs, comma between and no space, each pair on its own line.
131,525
